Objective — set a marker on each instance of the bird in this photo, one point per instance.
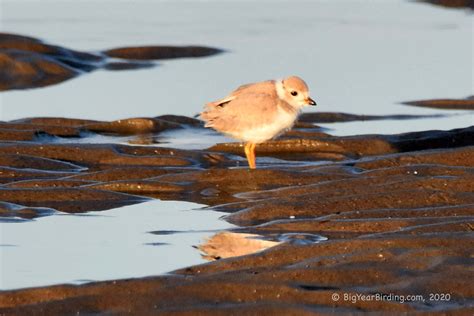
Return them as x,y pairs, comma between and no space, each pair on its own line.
257,112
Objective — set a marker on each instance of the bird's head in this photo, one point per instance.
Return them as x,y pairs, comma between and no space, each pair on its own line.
295,92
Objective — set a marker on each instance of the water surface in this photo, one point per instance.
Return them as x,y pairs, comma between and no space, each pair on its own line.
357,56
362,57
105,245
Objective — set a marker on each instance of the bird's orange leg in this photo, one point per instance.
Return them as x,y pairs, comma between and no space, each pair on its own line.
250,154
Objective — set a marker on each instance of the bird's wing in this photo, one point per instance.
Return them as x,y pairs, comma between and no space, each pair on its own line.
265,87
245,111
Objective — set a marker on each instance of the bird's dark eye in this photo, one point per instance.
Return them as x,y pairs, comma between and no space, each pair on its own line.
294,93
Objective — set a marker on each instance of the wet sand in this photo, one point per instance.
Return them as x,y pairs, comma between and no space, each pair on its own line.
451,3
373,215
445,104
397,212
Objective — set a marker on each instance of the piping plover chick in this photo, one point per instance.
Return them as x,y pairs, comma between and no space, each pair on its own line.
257,112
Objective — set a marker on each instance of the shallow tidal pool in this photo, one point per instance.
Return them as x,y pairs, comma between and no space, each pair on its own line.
106,245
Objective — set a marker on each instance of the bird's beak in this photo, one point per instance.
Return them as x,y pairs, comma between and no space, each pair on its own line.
310,101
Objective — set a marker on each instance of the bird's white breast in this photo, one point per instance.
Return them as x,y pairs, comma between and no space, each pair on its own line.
283,121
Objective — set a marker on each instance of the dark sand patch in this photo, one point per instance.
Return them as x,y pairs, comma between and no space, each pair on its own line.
318,145
161,52
451,3
48,183
445,104
8,174
59,122
397,209
132,126
11,210
335,117
68,199
31,162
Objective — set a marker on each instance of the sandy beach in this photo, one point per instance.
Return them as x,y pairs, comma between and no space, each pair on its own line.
396,211
115,199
